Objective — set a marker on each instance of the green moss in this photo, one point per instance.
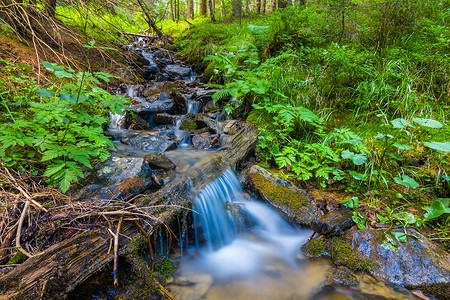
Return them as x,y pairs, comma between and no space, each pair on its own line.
18,258
279,193
342,255
209,71
188,125
315,247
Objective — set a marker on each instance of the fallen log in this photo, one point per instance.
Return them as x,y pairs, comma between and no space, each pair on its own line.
59,269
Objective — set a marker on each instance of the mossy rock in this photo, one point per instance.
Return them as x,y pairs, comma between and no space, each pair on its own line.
208,74
339,250
188,125
293,202
342,276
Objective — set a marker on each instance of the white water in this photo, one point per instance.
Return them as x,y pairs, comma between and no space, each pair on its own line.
244,242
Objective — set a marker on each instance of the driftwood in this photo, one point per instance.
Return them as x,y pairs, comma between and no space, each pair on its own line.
59,269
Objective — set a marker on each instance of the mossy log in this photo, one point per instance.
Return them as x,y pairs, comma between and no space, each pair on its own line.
60,268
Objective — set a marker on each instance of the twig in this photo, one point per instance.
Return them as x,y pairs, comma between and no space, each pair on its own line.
150,248
165,292
116,251
21,190
19,229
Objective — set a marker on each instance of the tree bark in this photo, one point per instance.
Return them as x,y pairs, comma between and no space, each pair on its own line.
211,11
273,5
258,6
190,9
237,8
263,6
203,8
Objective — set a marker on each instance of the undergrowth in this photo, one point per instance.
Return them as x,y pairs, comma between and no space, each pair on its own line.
361,106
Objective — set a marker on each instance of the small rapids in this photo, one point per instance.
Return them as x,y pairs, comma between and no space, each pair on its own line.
246,248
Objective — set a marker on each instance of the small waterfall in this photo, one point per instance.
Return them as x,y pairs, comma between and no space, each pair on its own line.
116,121
193,107
213,220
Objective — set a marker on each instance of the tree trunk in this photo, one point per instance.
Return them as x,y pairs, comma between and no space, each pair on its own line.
149,19
263,6
258,6
211,11
273,5
190,9
171,10
203,8
237,8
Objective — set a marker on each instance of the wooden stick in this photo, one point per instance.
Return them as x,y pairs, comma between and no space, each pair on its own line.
116,251
150,248
19,229
165,292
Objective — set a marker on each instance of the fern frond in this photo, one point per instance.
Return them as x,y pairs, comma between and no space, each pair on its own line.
219,95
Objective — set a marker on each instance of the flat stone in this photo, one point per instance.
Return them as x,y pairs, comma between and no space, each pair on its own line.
232,127
333,223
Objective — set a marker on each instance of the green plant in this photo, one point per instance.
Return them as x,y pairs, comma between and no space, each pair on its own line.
357,217
59,128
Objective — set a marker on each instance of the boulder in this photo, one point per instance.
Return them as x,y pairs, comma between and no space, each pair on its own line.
180,101
202,141
293,202
117,178
164,119
150,142
418,263
158,160
178,70
333,223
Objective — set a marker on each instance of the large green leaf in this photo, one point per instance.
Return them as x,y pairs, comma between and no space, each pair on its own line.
406,181
437,208
45,93
400,123
428,123
400,236
405,217
402,146
444,147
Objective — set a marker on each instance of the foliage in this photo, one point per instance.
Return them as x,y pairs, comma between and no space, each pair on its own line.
60,127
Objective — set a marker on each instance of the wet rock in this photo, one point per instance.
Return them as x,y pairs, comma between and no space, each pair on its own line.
158,106
159,161
295,203
117,178
180,101
232,127
140,123
150,142
418,263
202,141
190,287
316,247
333,223
177,70
342,275
164,119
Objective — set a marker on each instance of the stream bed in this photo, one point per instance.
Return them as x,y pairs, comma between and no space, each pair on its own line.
241,248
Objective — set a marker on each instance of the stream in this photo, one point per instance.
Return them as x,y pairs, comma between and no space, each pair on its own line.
238,247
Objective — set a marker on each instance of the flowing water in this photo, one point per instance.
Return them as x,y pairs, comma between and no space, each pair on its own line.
242,248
